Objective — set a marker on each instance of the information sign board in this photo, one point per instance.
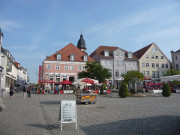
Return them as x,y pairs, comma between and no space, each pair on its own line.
68,112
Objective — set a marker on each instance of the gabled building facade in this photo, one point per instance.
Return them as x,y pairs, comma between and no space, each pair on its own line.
117,60
65,63
175,59
152,62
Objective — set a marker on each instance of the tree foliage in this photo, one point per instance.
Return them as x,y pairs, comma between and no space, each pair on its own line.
123,90
95,71
166,90
171,72
132,74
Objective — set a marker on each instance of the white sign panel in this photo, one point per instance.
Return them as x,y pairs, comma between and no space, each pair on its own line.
68,112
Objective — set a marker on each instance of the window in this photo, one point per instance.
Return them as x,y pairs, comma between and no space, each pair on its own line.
106,53
71,67
162,66
175,57
72,57
153,65
143,72
157,57
129,55
57,78
48,66
122,72
85,58
163,73
117,73
153,74
57,67
133,63
122,63
162,57
147,64
84,68
177,67
102,62
79,68
152,57
157,64
121,54
116,55
167,66
117,63
147,56
157,74
147,73
51,77
66,67
58,56
143,64
109,62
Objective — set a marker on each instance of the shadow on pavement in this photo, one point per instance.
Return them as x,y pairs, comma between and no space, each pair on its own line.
50,102
47,127
165,125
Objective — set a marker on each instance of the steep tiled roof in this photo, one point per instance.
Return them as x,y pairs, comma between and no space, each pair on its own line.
99,51
140,53
177,51
67,51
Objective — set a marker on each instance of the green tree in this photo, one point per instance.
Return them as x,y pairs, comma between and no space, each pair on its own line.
132,74
171,72
123,90
95,71
166,90
103,87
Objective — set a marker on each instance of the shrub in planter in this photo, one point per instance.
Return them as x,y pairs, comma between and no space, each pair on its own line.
103,87
166,90
123,90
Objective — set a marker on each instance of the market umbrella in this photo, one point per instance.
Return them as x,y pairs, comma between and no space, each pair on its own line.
66,82
87,80
48,81
160,84
149,84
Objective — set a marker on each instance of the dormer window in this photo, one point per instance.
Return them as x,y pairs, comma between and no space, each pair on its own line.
106,52
129,54
58,56
85,57
72,58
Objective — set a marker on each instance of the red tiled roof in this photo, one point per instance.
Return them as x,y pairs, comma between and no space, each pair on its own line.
141,52
67,51
99,51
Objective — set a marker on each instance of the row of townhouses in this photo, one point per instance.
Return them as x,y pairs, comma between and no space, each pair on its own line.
11,73
67,62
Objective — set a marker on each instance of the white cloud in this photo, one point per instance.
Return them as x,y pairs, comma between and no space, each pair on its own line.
9,25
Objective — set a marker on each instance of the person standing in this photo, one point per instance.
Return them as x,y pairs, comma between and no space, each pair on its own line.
11,92
29,91
24,91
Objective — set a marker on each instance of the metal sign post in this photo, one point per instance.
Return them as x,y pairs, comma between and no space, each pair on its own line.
68,112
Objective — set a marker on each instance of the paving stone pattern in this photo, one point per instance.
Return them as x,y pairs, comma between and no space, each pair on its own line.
39,115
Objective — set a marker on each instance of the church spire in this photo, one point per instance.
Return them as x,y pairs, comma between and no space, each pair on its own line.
81,43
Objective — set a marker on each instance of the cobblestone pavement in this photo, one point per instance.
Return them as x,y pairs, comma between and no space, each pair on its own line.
153,115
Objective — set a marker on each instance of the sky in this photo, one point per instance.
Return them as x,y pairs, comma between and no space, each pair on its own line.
34,29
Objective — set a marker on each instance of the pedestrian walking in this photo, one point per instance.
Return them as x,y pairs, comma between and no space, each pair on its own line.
11,91
29,91
24,91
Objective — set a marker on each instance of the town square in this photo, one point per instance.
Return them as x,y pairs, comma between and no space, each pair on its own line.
89,67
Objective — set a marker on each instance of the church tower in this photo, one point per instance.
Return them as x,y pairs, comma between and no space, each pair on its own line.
81,43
